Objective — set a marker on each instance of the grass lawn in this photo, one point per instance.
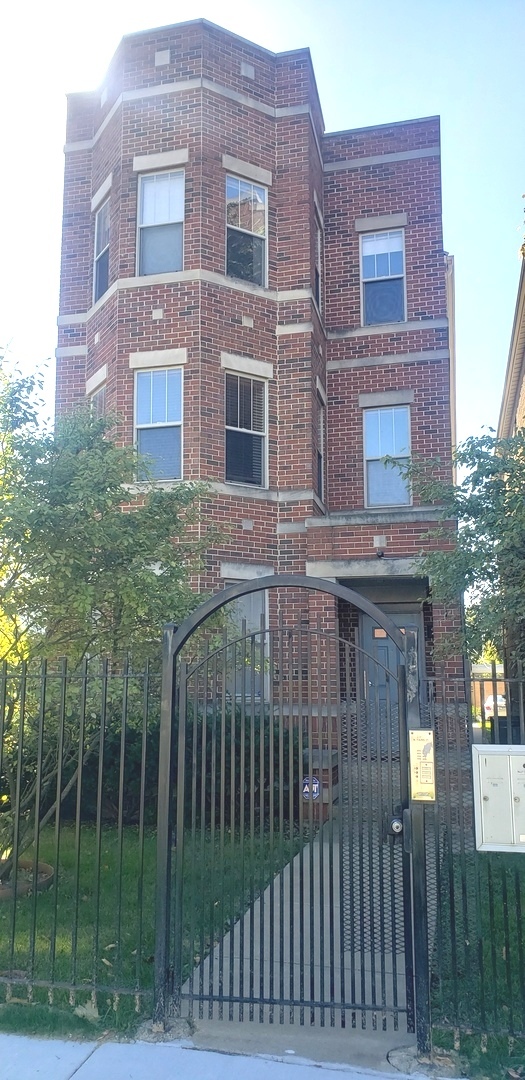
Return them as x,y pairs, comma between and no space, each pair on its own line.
478,964
94,930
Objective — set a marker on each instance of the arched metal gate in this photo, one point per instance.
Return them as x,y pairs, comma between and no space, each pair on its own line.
285,879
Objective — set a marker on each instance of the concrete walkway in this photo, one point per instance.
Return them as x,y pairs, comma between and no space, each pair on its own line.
22,1058
293,944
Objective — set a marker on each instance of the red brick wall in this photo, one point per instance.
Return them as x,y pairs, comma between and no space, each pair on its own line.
220,111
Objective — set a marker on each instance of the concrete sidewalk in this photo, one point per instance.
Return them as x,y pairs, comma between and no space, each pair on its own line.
23,1058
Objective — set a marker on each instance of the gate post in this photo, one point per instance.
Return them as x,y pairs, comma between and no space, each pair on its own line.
419,868
164,830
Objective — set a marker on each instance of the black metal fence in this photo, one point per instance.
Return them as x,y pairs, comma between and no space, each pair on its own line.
78,791
79,753
476,898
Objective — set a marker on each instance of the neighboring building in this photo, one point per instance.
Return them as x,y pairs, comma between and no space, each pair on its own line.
512,413
267,306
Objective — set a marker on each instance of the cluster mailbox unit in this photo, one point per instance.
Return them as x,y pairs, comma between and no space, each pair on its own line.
499,797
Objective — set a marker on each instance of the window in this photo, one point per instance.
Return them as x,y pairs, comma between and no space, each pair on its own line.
250,609
320,450
97,402
245,430
318,266
382,272
161,217
159,422
101,274
248,615
387,434
245,230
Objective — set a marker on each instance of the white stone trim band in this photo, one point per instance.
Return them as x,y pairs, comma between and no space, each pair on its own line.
381,398
381,159
168,159
101,192
380,221
245,168
97,379
158,358
247,365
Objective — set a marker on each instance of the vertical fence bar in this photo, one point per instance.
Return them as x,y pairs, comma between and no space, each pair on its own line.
348,934
235,788
142,806
419,868
299,782
344,768
385,807
362,724
406,857
519,693
262,818
323,713
242,821
204,877
16,824
58,816
519,925
164,828
447,774
333,655
281,817
78,820
193,704
178,891
460,738
213,801
98,825
311,837
120,818
251,642
271,811
37,804
373,707
222,819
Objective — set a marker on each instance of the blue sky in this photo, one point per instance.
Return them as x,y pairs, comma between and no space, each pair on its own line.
376,61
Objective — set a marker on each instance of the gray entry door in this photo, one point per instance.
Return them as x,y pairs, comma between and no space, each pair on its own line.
377,644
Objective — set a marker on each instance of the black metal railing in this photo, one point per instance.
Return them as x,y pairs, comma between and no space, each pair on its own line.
78,792
476,898
79,764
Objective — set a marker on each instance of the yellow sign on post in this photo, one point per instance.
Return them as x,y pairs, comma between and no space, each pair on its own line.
422,766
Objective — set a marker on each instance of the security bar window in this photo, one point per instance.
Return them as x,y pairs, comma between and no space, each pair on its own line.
245,430
161,218
159,422
387,434
245,230
101,273
383,277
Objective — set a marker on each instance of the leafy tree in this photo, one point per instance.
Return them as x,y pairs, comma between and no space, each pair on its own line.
92,565
78,575
485,558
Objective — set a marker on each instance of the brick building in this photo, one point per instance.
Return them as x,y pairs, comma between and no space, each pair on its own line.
266,305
